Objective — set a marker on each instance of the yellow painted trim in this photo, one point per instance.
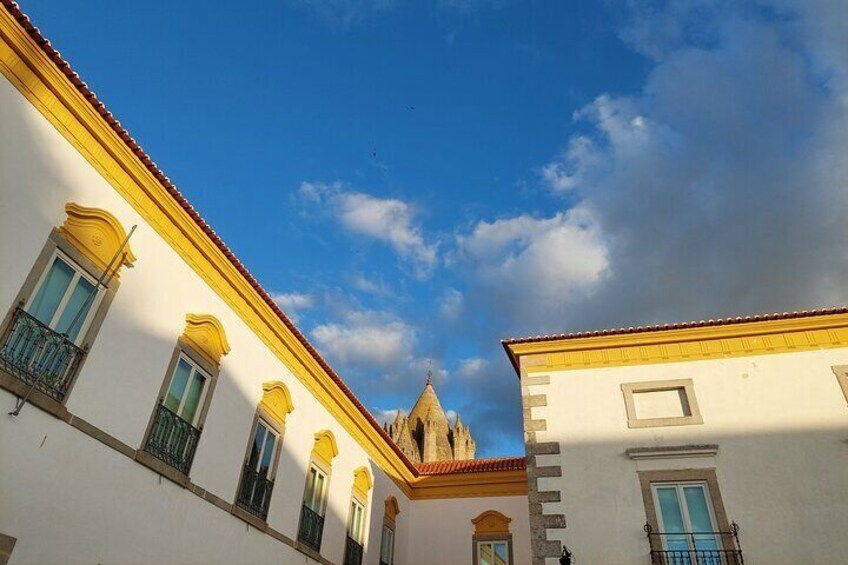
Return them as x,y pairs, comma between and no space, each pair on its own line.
26,67
206,335
276,402
491,522
325,448
687,344
98,235
362,482
471,485
392,509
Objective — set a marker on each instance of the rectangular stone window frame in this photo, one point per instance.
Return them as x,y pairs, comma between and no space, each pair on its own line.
55,245
388,526
480,539
649,479
268,422
182,349
841,372
686,385
326,470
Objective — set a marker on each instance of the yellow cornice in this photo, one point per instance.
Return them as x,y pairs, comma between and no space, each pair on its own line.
684,344
38,79
470,485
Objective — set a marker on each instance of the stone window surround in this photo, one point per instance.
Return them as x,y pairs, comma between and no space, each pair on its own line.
7,545
688,387
327,470
390,525
182,348
706,475
841,372
56,241
506,538
270,422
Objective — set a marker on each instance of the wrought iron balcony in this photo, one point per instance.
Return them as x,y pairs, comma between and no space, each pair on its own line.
39,356
695,548
353,552
172,440
311,528
255,492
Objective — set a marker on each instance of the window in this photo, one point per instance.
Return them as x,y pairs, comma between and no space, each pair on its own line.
387,546
311,530
184,398
685,517
356,520
316,486
65,298
686,520
492,539
661,403
257,480
492,553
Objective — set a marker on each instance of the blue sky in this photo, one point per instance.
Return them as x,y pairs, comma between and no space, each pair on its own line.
415,180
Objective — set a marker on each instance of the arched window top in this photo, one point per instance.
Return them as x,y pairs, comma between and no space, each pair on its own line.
362,482
325,448
491,522
205,334
276,402
392,509
98,235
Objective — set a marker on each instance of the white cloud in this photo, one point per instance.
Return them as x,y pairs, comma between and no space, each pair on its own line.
366,339
472,368
451,304
385,416
535,266
293,303
389,220
347,12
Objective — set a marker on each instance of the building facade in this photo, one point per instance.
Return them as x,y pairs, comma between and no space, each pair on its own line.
707,442
162,409
165,410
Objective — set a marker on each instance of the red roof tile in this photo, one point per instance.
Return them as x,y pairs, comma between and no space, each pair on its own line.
680,325
472,466
65,68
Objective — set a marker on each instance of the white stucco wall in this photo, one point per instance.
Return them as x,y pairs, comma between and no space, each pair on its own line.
780,422
443,530
69,499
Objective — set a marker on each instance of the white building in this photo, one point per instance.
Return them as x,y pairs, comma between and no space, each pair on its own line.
180,417
690,428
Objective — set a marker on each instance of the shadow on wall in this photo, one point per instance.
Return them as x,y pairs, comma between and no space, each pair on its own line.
117,390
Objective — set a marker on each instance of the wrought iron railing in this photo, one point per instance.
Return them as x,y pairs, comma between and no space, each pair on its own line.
39,356
172,440
353,552
695,548
311,528
255,492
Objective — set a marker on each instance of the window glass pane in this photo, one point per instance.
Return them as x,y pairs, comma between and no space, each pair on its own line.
76,310
310,489
484,554
193,397
256,446
699,516
178,385
672,519
500,553
52,289
267,454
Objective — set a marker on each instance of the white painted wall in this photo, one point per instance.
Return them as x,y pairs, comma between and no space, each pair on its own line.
69,499
442,529
781,424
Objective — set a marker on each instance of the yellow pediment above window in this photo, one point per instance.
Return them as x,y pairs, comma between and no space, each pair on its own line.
98,235
362,482
276,402
205,334
325,448
491,522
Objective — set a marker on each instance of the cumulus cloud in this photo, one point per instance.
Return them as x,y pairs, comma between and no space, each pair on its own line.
531,266
366,339
389,220
293,303
451,304
347,12
472,368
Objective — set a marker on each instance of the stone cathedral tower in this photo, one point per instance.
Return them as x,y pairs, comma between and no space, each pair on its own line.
426,434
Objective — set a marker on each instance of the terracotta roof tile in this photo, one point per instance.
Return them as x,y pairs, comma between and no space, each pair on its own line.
680,325
472,466
65,68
